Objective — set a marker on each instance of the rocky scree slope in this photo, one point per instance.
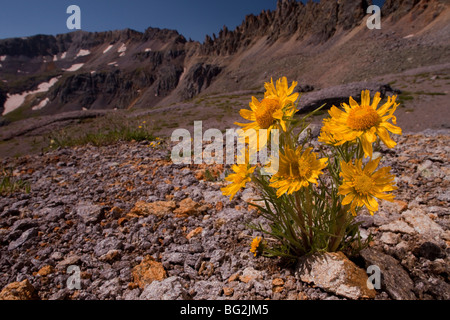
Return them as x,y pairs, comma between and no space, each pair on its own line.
140,227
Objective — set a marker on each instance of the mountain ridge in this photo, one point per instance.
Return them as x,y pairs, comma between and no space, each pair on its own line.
129,69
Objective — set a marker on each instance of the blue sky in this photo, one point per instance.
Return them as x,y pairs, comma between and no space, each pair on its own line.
192,18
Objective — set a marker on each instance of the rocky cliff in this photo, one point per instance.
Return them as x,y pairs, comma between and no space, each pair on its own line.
129,69
319,21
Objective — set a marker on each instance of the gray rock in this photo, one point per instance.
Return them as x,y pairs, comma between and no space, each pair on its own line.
394,279
429,250
336,95
423,224
59,295
26,236
70,260
312,131
88,212
167,289
104,246
213,196
23,224
132,294
398,226
110,289
52,214
390,238
207,290
56,256
174,258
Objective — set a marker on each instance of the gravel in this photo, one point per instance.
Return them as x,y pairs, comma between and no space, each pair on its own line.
80,214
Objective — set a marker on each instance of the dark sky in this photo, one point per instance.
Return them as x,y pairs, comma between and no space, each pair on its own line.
192,18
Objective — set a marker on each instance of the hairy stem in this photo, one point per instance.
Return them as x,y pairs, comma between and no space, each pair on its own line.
302,221
340,229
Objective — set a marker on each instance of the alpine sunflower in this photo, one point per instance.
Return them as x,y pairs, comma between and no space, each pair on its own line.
239,178
278,103
362,185
327,135
254,246
365,121
297,170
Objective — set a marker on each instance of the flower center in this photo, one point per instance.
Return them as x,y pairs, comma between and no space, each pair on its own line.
363,184
264,114
363,118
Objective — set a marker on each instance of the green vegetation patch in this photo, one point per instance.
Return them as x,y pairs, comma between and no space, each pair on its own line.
10,184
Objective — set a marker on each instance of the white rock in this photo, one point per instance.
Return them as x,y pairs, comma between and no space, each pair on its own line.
390,238
398,226
423,224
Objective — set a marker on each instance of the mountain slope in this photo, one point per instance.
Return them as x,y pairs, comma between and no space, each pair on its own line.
321,44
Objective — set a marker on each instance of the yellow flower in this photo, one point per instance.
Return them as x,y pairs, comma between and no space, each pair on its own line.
297,170
327,135
140,127
255,245
362,185
281,92
365,121
238,179
278,103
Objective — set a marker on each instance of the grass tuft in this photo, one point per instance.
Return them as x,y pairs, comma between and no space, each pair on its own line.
10,184
103,134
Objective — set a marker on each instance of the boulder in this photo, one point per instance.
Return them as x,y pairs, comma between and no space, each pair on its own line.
19,291
335,273
394,279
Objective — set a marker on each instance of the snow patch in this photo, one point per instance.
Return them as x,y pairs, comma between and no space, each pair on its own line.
43,87
107,49
61,57
75,67
13,102
2,58
148,49
114,63
83,53
122,49
16,100
42,104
